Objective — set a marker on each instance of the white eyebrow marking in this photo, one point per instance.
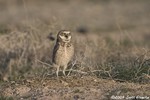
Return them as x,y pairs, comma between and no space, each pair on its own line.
67,32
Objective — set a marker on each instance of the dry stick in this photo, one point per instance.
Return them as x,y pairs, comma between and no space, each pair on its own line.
79,71
43,62
142,55
82,72
72,66
95,71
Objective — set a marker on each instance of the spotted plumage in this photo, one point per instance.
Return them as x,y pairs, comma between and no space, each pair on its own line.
63,51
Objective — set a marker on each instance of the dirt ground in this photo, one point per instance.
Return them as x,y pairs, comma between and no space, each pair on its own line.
74,88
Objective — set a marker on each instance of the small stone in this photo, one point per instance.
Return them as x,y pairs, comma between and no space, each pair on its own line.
76,97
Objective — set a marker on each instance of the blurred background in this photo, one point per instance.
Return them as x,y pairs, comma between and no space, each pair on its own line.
96,15
107,33
112,45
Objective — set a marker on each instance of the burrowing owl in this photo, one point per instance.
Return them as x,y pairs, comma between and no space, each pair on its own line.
63,51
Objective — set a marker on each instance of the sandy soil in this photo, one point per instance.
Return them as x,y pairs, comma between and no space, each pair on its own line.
73,88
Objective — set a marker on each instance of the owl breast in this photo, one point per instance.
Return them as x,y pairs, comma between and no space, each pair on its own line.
64,55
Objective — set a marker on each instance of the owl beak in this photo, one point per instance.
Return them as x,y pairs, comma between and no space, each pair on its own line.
66,36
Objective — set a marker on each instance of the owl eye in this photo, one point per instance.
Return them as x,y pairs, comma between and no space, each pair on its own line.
62,34
69,34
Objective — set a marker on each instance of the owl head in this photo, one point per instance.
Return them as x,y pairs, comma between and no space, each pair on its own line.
64,36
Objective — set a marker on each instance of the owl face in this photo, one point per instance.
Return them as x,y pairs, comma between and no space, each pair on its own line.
64,36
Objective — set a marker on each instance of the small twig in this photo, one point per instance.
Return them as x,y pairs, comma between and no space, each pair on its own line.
95,71
142,56
82,72
73,63
79,71
44,63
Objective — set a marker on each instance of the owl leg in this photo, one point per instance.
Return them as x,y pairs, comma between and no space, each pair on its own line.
57,71
65,67
57,68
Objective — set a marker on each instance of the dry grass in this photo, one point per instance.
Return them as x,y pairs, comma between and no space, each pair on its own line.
111,39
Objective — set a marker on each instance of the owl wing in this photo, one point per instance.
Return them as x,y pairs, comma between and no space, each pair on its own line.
55,49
